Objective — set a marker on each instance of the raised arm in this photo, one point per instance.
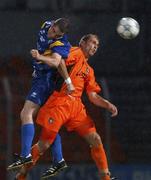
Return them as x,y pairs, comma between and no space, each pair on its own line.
64,73
52,61
55,60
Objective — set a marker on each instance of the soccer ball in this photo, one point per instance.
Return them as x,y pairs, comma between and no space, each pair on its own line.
128,28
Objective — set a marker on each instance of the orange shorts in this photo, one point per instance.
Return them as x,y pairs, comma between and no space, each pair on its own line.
68,111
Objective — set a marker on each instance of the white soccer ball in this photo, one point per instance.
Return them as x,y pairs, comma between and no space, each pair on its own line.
128,28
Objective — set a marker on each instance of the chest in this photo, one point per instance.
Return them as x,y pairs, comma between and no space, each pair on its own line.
82,70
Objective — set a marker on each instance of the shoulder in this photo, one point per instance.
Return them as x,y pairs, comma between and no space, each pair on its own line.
75,56
63,39
60,47
76,51
60,42
56,44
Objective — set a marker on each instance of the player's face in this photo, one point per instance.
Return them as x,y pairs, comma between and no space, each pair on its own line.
90,46
54,32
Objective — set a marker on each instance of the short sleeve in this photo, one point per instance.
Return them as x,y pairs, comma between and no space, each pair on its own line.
46,24
62,48
91,84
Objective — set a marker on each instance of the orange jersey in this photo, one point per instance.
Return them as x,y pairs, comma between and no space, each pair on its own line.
62,109
81,74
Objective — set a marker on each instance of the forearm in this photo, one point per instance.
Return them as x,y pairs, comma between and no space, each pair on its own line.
63,70
55,61
52,62
99,101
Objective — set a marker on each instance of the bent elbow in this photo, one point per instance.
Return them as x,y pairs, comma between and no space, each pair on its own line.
91,99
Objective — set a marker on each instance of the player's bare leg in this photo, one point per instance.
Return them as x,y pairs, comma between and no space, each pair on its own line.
28,112
98,155
47,138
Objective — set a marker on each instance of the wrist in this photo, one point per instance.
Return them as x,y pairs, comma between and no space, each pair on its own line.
68,81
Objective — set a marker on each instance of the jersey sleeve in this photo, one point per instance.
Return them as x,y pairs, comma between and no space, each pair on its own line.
45,24
91,85
61,48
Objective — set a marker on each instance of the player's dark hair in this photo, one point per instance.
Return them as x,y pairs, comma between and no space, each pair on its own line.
63,24
87,37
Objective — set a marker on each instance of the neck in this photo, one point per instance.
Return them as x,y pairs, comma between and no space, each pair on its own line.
85,54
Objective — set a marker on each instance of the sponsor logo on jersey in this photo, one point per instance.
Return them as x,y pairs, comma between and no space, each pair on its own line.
34,94
50,120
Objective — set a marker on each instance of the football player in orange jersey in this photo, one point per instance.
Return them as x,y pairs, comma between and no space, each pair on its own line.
68,110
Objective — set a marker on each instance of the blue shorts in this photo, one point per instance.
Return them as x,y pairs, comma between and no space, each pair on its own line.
42,88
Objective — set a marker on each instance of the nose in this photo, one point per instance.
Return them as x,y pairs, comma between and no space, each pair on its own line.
95,47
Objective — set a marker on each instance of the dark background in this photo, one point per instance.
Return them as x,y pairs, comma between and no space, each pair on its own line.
124,64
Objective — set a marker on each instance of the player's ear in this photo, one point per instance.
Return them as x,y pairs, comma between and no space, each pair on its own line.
81,43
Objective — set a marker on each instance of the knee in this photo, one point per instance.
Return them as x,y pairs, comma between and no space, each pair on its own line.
43,146
95,140
25,117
